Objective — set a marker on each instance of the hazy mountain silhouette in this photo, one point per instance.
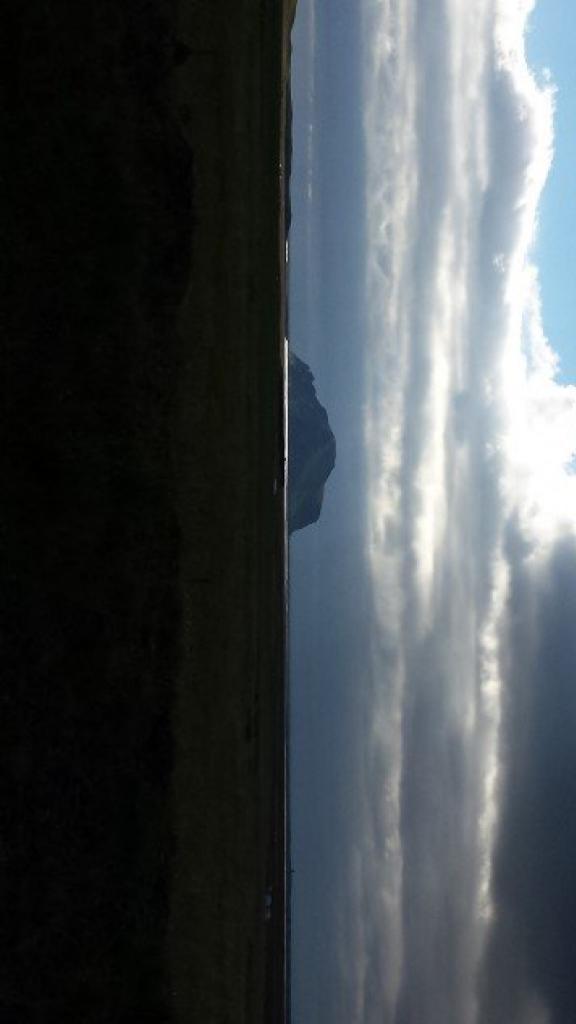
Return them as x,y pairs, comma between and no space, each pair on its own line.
311,447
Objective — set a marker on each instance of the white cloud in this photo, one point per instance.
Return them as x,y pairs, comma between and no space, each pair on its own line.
465,426
466,429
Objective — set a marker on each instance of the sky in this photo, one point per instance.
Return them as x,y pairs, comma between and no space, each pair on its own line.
549,44
432,639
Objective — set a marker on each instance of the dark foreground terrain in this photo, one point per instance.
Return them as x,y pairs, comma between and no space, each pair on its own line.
142,537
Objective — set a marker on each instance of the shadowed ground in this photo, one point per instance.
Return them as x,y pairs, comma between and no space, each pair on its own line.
141,542
233,590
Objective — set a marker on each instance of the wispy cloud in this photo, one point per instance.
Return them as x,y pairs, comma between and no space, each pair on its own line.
433,689
467,431
527,966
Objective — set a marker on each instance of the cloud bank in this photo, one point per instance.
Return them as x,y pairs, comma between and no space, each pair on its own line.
467,754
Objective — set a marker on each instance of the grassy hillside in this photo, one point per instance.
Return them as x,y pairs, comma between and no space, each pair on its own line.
141,542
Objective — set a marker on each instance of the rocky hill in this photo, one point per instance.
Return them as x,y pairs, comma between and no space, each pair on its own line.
311,447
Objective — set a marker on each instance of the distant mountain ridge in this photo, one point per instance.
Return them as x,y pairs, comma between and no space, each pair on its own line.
311,447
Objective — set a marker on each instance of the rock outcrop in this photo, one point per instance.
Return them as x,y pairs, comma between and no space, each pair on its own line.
311,447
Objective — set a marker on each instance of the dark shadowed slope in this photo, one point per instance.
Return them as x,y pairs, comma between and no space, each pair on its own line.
311,450
141,538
